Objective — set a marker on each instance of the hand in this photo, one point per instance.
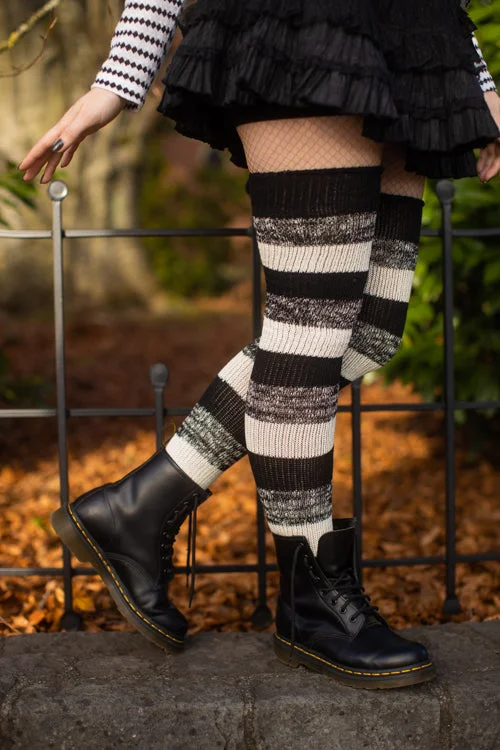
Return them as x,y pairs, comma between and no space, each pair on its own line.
488,164
88,114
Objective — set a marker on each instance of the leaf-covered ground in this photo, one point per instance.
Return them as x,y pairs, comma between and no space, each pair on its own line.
108,362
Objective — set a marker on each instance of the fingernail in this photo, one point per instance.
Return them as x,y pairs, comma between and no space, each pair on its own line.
57,145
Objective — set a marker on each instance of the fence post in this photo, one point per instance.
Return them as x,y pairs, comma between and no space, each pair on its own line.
158,375
357,493
58,191
445,191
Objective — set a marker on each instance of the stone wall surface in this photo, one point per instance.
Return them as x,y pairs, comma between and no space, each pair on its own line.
74,691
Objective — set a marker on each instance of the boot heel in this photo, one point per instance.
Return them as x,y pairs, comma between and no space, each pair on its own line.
285,654
64,527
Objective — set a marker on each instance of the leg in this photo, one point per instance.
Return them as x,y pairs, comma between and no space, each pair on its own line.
126,529
315,233
315,228
379,329
212,437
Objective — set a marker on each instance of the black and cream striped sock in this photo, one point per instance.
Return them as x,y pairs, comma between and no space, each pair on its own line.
211,438
314,232
379,329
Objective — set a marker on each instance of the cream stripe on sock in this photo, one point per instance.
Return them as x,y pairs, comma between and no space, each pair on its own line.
316,258
236,373
186,457
285,440
389,283
353,362
309,342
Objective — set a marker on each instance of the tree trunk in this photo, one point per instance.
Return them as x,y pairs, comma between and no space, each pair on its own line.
101,177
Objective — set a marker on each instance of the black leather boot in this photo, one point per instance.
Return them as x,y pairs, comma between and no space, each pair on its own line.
325,621
126,529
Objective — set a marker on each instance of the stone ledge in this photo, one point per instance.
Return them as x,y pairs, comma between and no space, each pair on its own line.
74,691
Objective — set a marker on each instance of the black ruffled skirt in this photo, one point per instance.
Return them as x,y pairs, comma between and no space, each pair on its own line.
407,66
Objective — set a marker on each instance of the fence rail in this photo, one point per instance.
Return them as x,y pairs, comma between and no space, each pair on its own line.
445,190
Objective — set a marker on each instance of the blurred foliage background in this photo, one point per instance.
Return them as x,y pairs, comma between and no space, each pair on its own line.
477,287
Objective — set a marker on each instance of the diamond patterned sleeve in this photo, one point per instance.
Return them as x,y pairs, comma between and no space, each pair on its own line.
140,43
485,78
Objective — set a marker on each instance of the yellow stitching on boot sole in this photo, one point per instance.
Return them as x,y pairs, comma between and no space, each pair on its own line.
117,582
350,671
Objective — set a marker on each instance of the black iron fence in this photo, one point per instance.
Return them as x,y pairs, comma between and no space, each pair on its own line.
159,377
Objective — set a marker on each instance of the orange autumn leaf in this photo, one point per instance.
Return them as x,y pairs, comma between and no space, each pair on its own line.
36,617
403,480
84,603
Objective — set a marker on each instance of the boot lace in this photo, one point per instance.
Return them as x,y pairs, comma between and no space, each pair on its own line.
344,584
170,531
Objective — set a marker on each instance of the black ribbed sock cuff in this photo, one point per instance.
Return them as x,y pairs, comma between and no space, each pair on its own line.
399,217
314,192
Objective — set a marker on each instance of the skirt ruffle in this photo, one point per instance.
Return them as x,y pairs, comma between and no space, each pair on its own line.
408,67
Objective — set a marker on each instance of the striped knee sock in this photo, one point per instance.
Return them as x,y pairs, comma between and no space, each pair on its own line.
211,438
379,329
314,231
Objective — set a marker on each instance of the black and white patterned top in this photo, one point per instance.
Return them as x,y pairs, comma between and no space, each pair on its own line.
140,43
485,78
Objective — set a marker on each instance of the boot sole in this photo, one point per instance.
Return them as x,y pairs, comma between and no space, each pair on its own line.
299,656
84,548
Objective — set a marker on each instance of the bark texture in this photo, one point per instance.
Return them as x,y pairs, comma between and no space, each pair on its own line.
102,178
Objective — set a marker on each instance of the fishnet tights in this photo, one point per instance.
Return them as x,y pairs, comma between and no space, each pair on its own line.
325,142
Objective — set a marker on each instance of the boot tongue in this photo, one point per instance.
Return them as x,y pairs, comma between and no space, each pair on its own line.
335,551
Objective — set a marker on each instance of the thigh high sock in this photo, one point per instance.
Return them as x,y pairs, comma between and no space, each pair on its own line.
211,438
314,231
379,329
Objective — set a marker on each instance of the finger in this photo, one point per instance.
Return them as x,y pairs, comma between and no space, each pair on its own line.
483,154
68,155
41,148
480,163
47,157
489,168
493,169
487,155
64,129
51,167
34,169
491,156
